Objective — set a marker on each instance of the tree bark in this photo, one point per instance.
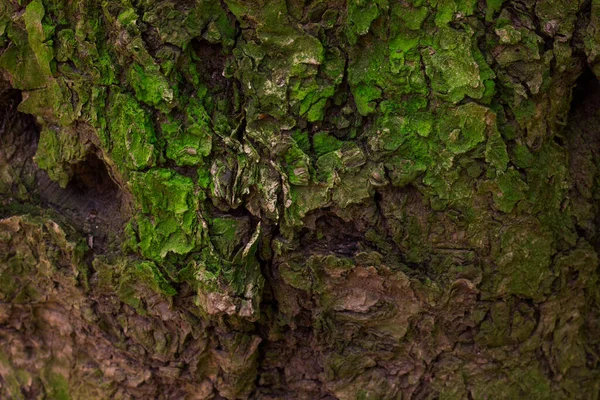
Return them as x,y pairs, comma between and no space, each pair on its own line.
318,199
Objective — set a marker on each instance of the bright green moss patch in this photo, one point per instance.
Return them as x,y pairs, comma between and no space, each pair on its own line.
383,70
324,143
448,10
150,85
365,97
163,190
131,133
168,221
311,98
190,143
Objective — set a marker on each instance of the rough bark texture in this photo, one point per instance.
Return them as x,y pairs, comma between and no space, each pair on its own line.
361,199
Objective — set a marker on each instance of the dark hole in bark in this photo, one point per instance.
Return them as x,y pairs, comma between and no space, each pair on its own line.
582,135
329,234
90,177
211,60
92,202
587,88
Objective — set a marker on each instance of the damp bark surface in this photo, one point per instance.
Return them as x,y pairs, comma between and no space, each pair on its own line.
299,199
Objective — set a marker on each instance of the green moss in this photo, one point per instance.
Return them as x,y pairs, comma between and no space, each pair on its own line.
511,190
20,62
452,68
462,129
495,151
127,18
324,143
296,275
65,45
149,273
30,66
244,129
365,97
167,223
521,44
448,187
297,165
302,140
50,103
57,386
226,234
393,66
522,381
57,151
191,143
150,86
547,180
311,98
131,136
132,281
334,65
228,275
495,330
448,10
522,157
411,17
13,378
493,6
328,166
522,263
361,15
304,199
38,34
404,171
354,188
163,190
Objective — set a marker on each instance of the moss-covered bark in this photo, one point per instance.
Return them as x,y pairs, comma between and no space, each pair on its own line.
299,199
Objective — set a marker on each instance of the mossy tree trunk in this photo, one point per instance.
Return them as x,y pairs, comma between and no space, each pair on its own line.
361,199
